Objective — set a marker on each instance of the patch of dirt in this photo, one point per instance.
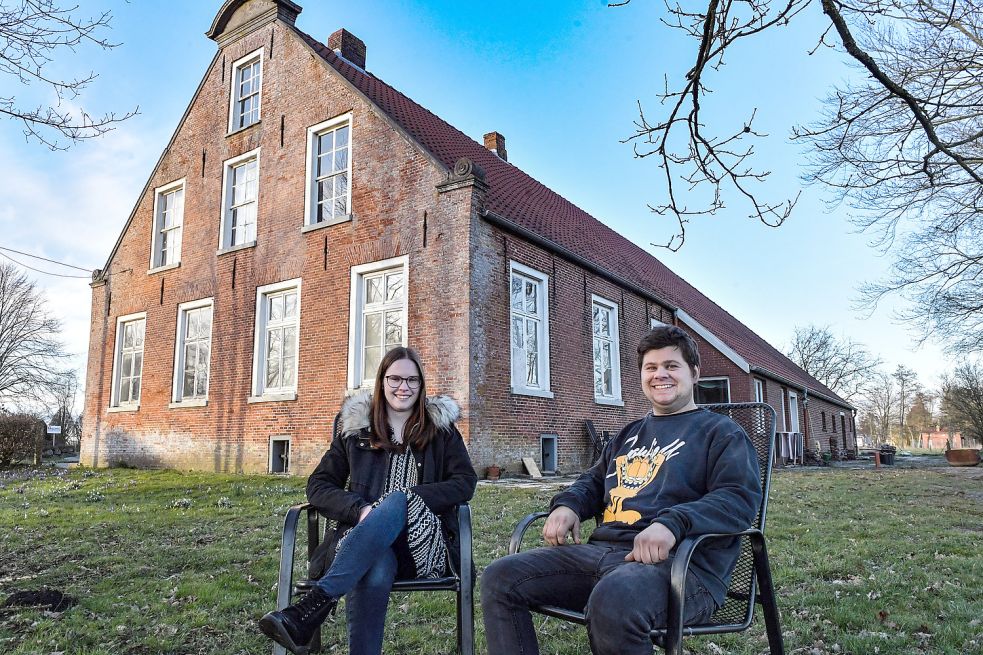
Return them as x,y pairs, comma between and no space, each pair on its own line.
51,600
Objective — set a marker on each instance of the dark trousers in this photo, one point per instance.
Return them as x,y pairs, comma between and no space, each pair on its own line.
623,600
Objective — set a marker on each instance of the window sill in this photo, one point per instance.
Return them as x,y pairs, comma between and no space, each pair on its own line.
120,409
273,397
538,393
310,227
243,129
191,402
241,246
613,402
166,267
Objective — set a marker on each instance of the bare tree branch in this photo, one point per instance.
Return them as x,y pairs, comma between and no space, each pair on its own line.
31,33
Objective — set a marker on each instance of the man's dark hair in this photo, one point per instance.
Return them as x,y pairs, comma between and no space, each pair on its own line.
663,336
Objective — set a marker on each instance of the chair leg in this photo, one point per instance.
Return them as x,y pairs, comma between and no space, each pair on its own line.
766,589
465,620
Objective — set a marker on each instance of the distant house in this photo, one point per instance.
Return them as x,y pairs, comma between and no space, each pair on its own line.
939,439
306,216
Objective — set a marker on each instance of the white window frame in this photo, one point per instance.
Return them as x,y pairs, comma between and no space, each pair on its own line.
237,65
156,240
114,402
310,197
781,405
274,439
225,231
654,323
615,340
715,378
177,385
759,390
357,312
261,393
793,411
518,382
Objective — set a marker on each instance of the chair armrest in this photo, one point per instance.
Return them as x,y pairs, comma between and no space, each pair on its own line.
466,544
515,543
680,567
288,541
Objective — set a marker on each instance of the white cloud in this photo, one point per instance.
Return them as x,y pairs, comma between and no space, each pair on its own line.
70,206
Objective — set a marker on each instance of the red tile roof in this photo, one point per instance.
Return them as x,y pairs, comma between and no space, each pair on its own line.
529,204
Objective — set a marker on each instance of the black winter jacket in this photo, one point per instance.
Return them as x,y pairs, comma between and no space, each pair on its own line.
352,474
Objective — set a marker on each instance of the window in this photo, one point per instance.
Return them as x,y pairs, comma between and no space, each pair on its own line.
823,414
247,78
793,412
606,350
529,325
832,420
193,347
128,362
168,220
329,172
759,391
240,190
279,454
277,341
712,390
378,316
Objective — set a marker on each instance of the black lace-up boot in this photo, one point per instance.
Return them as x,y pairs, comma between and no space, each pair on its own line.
293,627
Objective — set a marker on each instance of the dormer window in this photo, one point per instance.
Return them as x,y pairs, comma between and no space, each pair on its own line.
247,79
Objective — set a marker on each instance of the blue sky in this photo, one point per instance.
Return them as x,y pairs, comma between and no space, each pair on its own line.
560,80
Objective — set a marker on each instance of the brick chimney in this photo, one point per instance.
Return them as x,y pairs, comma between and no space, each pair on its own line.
348,46
496,143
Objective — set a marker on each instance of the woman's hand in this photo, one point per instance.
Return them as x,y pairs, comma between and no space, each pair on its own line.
364,512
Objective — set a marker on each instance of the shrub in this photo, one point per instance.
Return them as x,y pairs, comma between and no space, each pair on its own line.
21,436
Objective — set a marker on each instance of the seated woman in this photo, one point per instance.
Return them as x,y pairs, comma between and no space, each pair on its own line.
391,481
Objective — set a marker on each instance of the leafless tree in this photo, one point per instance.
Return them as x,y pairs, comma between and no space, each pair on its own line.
963,395
877,403
901,142
31,33
843,365
31,352
65,394
908,386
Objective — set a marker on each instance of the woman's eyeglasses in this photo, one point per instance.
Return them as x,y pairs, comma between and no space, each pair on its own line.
396,381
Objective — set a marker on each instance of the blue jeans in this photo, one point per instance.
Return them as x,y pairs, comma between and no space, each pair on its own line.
364,569
624,600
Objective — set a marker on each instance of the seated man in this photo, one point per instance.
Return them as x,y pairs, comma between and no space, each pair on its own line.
679,471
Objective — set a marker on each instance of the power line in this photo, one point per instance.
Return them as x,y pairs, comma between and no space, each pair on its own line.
27,254
38,270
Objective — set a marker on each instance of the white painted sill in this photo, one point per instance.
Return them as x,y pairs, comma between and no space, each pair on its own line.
537,393
241,246
311,227
121,409
161,269
613,402
194,402
273,397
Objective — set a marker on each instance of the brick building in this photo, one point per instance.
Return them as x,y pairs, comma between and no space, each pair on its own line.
305,216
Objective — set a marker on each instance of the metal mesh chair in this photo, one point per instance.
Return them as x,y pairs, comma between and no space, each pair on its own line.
750,583
461,581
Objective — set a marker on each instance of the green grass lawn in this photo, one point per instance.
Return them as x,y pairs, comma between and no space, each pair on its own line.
164,562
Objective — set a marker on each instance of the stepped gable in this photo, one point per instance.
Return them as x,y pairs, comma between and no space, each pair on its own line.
529,204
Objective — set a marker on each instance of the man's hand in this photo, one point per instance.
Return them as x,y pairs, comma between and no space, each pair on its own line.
364,512
652,545
561,522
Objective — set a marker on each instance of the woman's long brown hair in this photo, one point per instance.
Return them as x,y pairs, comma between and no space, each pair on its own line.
419,428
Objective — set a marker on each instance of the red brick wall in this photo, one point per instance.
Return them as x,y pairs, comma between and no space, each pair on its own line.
507,426
393,185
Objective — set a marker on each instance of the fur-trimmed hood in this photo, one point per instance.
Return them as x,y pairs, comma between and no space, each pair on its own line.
443,411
